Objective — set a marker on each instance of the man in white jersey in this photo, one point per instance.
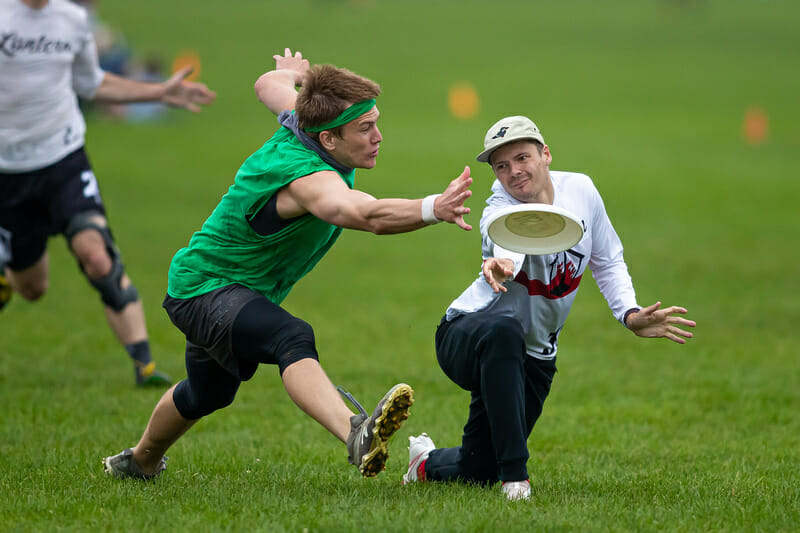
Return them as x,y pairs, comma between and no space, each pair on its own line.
499,339
47,59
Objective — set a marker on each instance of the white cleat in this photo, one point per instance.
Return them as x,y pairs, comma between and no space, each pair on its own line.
418,450
517,490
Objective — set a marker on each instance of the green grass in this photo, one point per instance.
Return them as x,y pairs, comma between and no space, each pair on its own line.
646,97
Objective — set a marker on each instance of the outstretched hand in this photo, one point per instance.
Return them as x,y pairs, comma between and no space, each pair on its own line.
496,271
450,205
186,94
653,322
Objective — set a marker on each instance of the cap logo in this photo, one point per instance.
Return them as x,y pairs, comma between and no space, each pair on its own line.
501,133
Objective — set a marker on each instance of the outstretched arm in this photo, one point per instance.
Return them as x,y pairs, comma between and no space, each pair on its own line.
653,322
326,196
176,91
276,88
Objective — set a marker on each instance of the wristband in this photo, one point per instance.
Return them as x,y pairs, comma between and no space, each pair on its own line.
628,313
428,215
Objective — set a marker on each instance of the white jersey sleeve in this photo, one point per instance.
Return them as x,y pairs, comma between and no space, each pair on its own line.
608,265
86,73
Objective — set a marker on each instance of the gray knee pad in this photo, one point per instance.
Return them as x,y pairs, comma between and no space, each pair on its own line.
111,292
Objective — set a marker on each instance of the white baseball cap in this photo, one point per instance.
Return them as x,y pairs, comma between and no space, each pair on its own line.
508,130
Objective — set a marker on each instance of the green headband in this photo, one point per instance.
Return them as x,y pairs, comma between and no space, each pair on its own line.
351,113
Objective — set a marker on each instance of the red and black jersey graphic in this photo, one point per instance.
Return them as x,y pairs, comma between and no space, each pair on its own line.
563,278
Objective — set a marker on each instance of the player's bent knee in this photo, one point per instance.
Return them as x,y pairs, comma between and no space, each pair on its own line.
286,362
504,336
206,406
264,333
193,405
110,288
109,285
299,344
502,326
95,263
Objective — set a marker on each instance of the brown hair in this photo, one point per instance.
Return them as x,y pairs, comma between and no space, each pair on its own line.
327,91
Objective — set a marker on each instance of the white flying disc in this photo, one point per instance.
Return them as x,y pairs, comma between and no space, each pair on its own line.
535,229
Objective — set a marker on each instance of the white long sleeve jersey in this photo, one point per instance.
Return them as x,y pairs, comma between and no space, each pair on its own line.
47,58
543,288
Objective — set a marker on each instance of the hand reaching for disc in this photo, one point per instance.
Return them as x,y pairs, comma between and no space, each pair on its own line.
497,271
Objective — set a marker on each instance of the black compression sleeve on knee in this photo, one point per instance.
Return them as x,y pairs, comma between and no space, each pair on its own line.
298,343
291,357
263,332
194,404
184,402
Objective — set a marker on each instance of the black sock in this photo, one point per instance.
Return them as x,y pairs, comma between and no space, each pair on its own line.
140,353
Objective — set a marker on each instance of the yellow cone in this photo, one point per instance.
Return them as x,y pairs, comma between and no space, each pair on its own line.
463,100
187,58
755,126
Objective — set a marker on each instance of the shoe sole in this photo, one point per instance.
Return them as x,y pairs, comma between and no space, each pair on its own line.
394,412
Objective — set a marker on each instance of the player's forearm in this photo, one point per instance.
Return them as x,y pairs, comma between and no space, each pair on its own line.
385,216
276,89
119,90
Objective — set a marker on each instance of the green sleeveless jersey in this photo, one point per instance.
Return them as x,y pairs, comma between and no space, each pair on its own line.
228,250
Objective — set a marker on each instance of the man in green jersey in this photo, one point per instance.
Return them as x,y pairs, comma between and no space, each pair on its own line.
285,209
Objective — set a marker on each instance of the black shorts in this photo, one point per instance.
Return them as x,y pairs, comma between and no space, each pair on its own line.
37,204
239,329
230,331
207,321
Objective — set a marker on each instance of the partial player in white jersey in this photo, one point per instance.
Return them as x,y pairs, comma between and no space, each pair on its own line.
499,338
48,59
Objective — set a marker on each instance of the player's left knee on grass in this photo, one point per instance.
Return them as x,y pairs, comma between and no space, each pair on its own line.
109,285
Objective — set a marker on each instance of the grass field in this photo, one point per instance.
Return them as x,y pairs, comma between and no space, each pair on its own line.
646,97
